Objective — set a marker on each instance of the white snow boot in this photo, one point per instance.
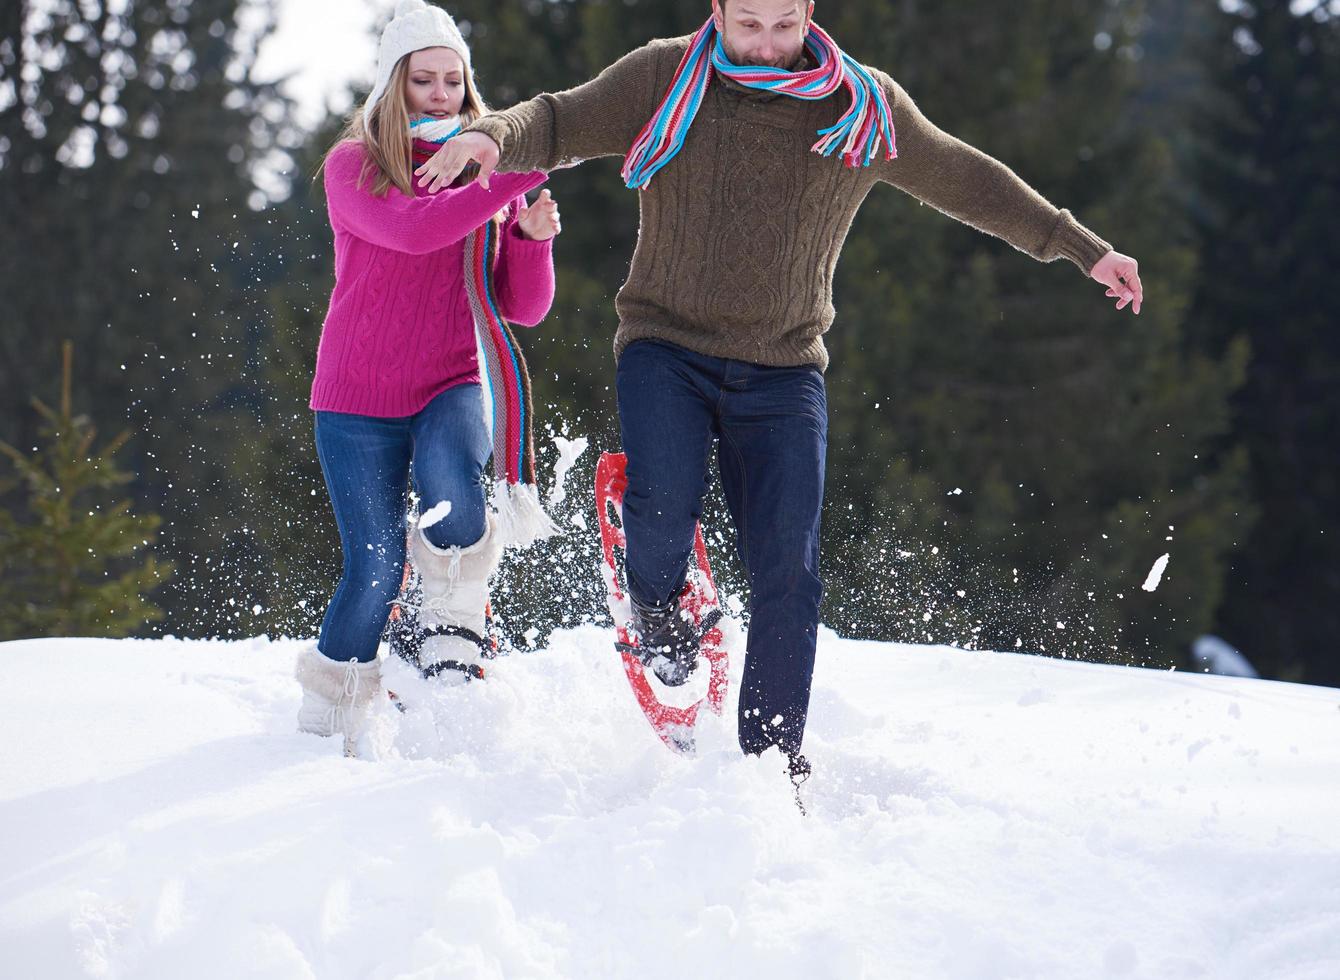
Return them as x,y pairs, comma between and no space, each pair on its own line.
455,586
336,696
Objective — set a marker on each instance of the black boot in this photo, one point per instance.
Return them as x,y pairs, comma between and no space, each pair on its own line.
667,641
798,768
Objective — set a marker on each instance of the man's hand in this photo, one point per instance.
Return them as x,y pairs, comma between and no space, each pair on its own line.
539,221
456,153
1121,275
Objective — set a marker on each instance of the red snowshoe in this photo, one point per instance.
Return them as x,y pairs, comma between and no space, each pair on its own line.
675,725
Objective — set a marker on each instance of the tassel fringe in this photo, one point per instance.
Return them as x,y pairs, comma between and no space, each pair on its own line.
522,519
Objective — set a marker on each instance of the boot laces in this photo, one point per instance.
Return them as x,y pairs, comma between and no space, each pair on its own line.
343,710
438,605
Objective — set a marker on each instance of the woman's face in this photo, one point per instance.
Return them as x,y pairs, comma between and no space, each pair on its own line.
435,83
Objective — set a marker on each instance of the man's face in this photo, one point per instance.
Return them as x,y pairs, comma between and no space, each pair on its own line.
763,32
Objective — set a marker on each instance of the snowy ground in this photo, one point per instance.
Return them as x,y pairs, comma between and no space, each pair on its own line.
972,816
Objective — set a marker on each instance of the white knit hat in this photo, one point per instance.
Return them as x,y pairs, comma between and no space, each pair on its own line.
416,25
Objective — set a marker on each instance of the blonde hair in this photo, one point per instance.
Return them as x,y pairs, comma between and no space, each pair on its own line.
384,133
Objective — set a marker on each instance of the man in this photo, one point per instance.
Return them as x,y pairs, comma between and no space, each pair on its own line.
729,294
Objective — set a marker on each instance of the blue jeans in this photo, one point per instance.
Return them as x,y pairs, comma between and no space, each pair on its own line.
367,463
771,426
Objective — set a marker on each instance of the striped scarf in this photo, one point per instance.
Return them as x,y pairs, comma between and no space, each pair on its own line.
858,134
521,519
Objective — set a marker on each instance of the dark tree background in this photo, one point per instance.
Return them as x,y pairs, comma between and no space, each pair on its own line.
1266,197
1009,456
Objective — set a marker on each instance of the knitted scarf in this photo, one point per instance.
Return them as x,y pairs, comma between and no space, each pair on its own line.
521,519
866,123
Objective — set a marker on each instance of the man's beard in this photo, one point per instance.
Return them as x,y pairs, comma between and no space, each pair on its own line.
790,64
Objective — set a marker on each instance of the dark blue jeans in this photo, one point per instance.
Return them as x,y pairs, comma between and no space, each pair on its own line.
367,463
771,427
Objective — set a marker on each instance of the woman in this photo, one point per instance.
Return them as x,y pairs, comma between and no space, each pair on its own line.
419,281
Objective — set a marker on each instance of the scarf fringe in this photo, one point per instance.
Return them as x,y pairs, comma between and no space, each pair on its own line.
521,518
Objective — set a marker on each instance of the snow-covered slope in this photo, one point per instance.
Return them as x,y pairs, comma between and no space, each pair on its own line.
972,815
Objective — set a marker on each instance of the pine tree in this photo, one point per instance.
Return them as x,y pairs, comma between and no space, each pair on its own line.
295,563
130,134
132,137
74,568
1267,190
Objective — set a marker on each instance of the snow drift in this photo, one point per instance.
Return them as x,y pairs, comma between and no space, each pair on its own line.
971,815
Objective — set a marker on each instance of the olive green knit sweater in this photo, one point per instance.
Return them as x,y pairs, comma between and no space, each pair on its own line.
741,231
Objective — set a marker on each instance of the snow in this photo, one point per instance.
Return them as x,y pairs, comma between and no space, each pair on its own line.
435,514
971,815
1155,575
568,452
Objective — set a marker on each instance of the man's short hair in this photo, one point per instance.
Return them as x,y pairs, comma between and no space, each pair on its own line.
803,3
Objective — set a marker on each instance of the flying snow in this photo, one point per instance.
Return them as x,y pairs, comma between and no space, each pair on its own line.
435,514
1156,574
569,450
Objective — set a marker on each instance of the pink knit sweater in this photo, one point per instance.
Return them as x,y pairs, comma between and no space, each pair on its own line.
399,330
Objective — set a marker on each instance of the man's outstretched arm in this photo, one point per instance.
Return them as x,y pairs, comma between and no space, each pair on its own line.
600,118
980,191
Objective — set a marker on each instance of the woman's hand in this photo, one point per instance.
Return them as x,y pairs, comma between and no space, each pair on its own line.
539,221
